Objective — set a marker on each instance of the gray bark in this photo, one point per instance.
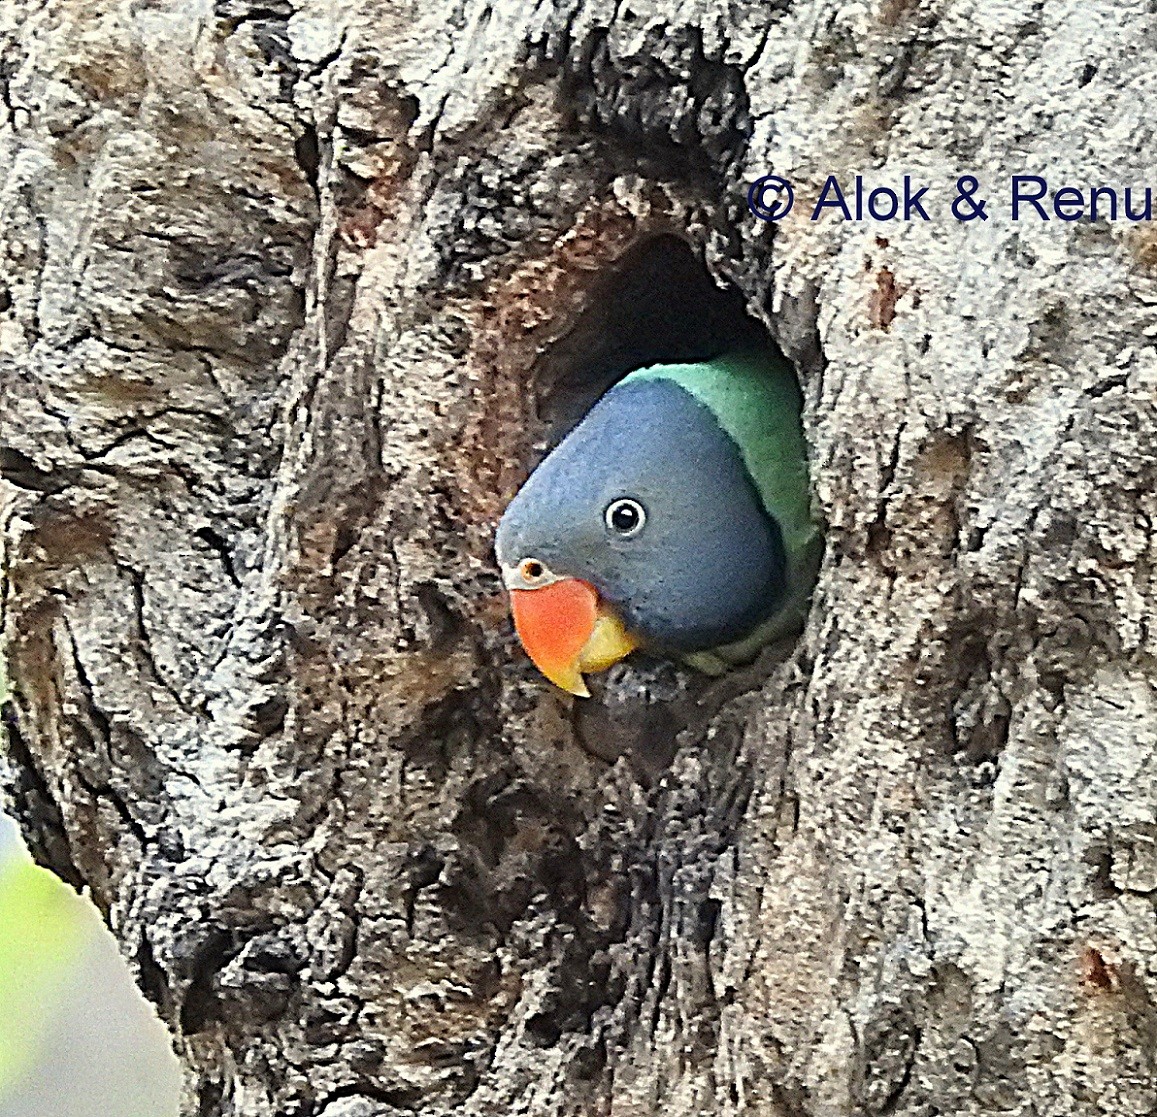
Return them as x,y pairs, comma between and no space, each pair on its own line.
295,292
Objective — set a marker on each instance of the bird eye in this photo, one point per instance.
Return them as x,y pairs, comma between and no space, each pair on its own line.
531,570
625,517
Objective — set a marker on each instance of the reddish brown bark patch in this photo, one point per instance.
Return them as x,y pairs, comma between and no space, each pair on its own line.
882,304
1096,973
514,324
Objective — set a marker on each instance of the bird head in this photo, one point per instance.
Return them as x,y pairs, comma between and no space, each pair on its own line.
641,529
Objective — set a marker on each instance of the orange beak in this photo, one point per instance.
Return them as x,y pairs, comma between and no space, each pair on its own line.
567,630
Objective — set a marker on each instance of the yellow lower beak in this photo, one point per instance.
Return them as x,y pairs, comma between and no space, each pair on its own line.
609,643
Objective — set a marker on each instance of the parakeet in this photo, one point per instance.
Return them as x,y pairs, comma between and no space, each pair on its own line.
675,518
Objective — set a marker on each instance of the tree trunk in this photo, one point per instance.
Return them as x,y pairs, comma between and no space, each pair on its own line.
294,295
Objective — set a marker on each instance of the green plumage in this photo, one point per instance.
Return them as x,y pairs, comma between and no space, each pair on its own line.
755,399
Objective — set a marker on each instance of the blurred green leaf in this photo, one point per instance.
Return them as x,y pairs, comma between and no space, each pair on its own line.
42,935
76,1037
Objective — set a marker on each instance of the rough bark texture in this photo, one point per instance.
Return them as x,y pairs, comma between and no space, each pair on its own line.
295,292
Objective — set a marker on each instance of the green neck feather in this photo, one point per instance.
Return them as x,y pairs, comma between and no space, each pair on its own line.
755,399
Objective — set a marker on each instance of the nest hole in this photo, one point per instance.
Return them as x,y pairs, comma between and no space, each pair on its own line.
659,305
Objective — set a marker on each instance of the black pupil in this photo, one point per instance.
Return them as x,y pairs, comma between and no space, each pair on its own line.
624,517
533,570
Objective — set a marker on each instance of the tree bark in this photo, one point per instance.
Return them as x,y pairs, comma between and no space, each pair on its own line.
294,295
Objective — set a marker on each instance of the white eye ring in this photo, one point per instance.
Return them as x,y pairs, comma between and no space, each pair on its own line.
625,517
532,571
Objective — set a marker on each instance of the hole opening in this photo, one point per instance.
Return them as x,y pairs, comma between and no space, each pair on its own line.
657,305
